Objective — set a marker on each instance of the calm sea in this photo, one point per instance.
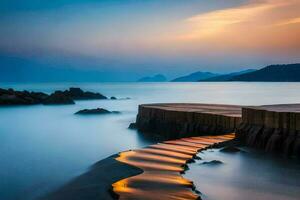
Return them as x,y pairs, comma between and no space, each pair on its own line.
43,147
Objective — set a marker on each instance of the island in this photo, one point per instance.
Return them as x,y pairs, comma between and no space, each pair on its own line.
95,111
12,97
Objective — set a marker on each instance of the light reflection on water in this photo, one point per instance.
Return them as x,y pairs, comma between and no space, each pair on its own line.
246,175
42,147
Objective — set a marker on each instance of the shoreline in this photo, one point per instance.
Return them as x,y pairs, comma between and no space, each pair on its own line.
96,183
111,178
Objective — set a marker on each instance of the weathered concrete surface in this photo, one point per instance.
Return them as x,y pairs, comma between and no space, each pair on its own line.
173,121
274,128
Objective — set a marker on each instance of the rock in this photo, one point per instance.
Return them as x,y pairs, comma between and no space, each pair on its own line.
132,126
39,95
213,162
197,157
79,94
3,91
113,98
97,111
11,97
230,149
58,97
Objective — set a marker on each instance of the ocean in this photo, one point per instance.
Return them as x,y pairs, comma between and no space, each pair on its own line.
43,147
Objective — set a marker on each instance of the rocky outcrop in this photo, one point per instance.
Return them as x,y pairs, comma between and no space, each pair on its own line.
58,97
273,128
230,149
213,162
132,126
79,94
97,111
12,97
171,121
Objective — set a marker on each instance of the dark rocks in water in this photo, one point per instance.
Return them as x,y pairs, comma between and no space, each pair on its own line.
96,111
79,94
197,157
40,96
58,97
185,167
213,162
11,97
113,98
230,149
190,161
132,126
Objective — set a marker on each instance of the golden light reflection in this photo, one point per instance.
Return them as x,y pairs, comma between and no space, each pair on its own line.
167,153
161,164
171,147
154,157
176,148
184,143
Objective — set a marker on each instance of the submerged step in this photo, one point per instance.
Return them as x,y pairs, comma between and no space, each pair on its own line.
161,178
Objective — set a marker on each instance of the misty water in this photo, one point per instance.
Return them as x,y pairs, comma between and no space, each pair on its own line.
247,175
43,147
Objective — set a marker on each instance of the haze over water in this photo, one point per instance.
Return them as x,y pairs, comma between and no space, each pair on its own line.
43,147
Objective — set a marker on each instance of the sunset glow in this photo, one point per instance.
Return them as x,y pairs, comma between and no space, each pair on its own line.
152,37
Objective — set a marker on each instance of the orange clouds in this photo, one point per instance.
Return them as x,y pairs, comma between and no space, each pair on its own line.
260,26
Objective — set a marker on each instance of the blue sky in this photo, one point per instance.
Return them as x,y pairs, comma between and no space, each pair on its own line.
140,38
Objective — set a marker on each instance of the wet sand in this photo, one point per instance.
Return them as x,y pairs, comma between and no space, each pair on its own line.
96,183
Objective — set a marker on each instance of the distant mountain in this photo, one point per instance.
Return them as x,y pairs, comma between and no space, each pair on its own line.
156,78
195,77
227,77
272,73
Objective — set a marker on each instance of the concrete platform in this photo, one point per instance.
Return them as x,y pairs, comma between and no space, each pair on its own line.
274,128
172,121
220,109
285,116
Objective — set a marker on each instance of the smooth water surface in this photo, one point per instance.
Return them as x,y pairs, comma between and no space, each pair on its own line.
43,147
246,175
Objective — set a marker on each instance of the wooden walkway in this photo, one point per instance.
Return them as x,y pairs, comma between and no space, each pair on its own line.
163,165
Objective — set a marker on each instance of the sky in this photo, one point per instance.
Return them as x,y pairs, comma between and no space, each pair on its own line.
135,38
